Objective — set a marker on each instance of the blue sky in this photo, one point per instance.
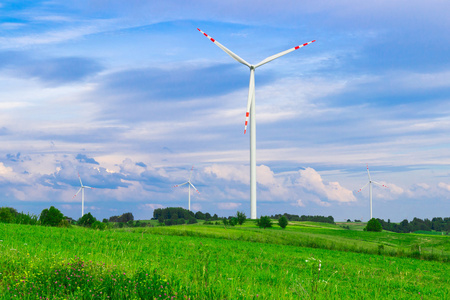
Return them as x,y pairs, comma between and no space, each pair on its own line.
130,95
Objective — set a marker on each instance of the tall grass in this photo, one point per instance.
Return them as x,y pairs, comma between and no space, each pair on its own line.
388,244
199,268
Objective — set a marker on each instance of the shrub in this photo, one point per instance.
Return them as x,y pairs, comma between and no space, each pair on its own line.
373,225
264,222
51,217
87,220
241,217
6,216
98,225
233,221
283,222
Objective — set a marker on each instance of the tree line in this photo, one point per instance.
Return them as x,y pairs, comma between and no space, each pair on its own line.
436,224
54,217
290,217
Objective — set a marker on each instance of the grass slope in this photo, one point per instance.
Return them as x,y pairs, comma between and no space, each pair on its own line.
205,262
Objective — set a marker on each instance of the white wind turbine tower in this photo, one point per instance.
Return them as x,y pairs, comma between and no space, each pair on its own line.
370,189
82,194
189,185
251,112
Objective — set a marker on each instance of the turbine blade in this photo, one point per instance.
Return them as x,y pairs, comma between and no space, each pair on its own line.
270,58
181,184
368,173
191,173
79,177
88,187
77,193
227,51
380,184
194,187
363,187
251,95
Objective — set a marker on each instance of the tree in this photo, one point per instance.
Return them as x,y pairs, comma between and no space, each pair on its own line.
241,217
98,225
199,215
51,217
283,222
87,220
6,216
264,222
373,225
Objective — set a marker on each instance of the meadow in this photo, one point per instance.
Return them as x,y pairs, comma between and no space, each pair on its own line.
214,262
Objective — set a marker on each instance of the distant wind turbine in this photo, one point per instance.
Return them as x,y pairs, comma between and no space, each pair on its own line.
251,112
370,189
82,194
189,184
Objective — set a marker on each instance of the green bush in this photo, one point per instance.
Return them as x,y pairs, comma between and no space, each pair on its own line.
6,216
241,217
98,225
264,222
51,217
373,225
233,221
283,222
87,220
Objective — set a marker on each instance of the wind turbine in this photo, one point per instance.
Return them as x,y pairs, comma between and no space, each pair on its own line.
82,194
189,184
370,189
251,112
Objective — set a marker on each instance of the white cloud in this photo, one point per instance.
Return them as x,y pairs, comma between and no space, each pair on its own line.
228,205
229,172
320,202
298,203
444,186
196,206
423,185
311,180
151,206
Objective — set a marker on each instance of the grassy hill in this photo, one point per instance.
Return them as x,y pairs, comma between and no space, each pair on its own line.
305,261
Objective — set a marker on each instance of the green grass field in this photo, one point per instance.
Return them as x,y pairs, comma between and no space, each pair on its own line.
213,262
